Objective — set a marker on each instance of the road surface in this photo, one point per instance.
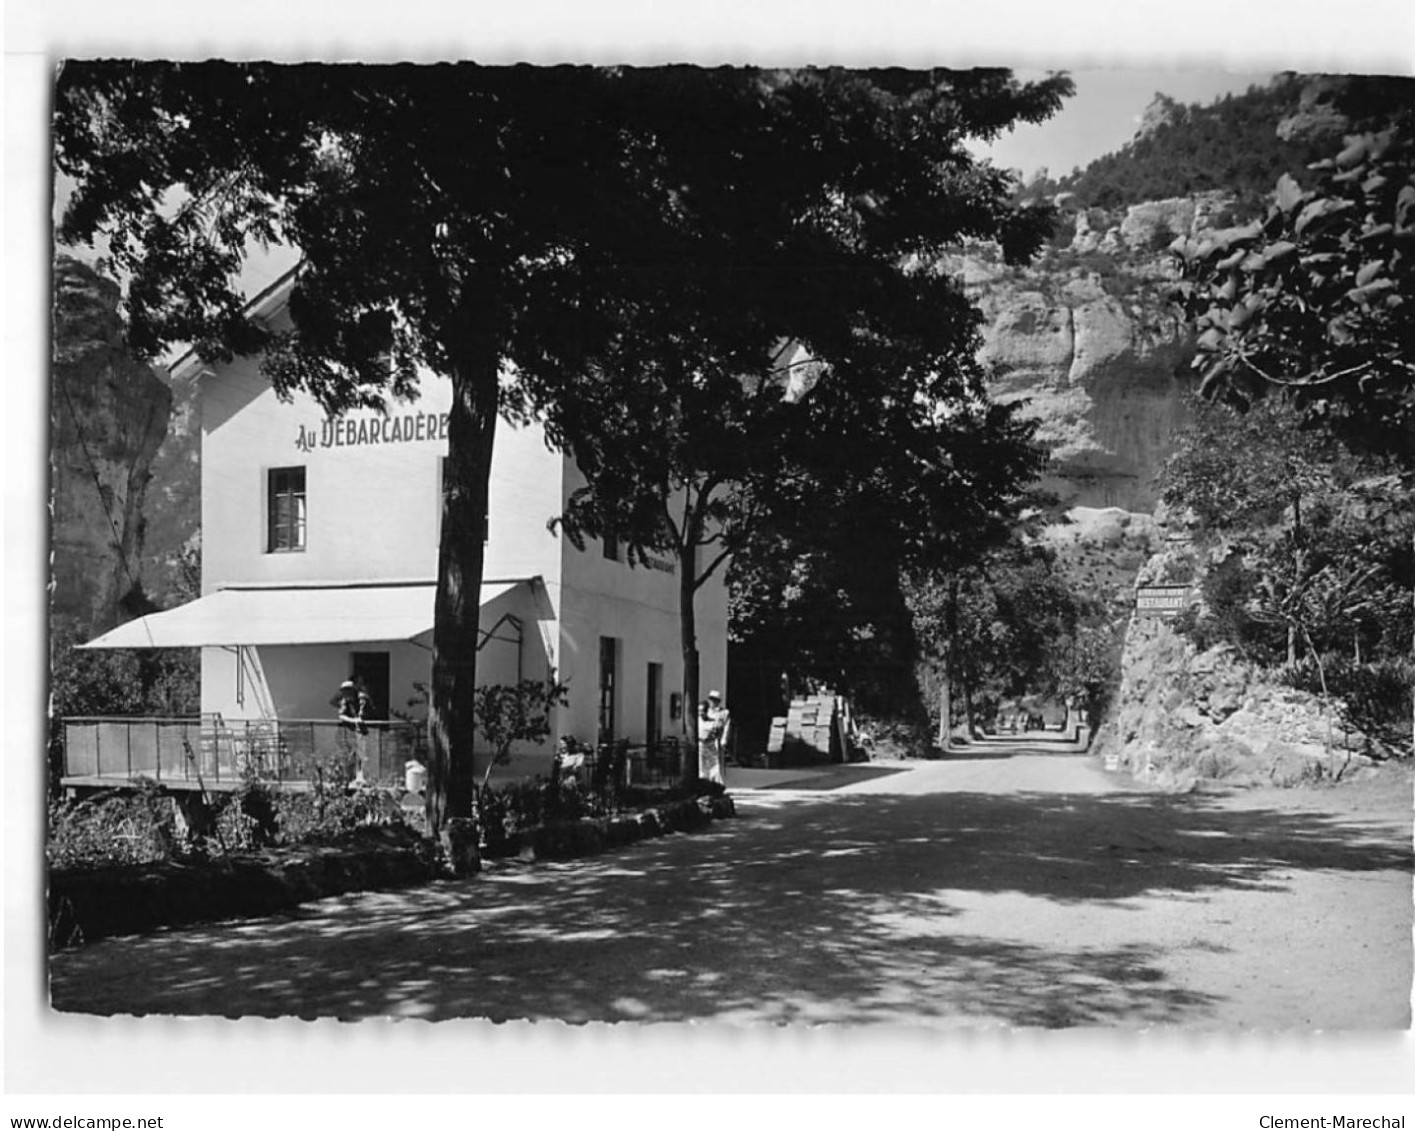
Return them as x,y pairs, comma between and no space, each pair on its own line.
997,891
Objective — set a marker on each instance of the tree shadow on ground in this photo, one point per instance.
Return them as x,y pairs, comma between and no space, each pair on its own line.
843,908
834,777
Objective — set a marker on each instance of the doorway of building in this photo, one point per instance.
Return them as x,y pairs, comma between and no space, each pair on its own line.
372,669
608,683
653,720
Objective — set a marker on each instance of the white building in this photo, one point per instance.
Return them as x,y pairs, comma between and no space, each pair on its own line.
319,563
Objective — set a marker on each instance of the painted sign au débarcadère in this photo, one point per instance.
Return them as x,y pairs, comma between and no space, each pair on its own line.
1161,600
349,432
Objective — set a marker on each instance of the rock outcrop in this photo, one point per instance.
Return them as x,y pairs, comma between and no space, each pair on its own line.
1088,338
108,416
1104,549
171,556
1183,715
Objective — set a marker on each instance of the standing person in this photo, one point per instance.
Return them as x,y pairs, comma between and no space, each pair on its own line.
713,725
353,704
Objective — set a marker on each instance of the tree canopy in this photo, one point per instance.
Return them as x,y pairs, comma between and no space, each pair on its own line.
1316,299
531,234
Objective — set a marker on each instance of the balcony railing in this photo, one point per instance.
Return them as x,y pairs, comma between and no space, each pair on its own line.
213,751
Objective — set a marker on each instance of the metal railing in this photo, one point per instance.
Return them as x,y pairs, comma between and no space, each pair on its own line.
213,750
608,766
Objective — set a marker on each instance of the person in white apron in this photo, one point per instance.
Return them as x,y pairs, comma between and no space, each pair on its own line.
713,725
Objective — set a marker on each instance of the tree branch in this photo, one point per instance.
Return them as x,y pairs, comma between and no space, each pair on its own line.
711,569
1308,382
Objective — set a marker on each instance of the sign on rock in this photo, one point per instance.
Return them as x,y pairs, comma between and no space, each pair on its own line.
1161,600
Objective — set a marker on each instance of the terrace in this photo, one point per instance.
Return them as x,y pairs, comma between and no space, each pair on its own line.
212,753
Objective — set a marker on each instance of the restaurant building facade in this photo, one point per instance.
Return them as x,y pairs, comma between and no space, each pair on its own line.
320,543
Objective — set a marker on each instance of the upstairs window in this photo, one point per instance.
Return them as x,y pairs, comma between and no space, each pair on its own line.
285,509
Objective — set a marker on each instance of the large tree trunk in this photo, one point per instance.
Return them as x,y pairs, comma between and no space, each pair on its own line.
688,632
471,432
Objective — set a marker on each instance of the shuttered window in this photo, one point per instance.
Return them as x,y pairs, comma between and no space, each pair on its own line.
285,503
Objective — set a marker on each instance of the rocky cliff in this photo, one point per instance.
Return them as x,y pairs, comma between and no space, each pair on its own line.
171,559
1087,337
1183,715
108,416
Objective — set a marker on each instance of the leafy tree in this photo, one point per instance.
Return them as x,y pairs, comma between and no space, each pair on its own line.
1006,626
1315,549
1316,534
511,713
1315,299
1236,144
514,228
1087,670
108,682
1232,470
823,590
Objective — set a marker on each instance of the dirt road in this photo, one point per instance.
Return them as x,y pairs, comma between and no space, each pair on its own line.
973,892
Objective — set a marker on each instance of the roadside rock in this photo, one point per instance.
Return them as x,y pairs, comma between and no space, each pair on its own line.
1183,716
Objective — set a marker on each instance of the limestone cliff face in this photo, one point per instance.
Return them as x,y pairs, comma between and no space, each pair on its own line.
108,416
172,508
1088,338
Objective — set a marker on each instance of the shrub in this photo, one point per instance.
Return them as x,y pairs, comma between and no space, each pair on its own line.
130,827
139,826
516,807
1374,698
1224,617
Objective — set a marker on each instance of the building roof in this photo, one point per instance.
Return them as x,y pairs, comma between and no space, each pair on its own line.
265,303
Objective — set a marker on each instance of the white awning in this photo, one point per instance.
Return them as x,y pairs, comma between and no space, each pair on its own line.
297,615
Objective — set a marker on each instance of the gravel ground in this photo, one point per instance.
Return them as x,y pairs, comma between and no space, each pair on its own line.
1000,891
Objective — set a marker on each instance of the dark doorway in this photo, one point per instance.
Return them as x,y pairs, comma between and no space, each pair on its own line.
653,721
371,668
608,681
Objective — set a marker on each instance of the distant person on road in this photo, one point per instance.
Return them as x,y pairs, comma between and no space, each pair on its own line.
713,726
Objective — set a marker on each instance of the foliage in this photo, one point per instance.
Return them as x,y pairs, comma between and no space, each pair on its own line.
1087,673
130,827
1374,698
1315,298
1231,470
139,826
1237,144
457,219
511,713
1223,617
1310,539
820,592
161,682
334,806
518,806
1015,624
722,438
